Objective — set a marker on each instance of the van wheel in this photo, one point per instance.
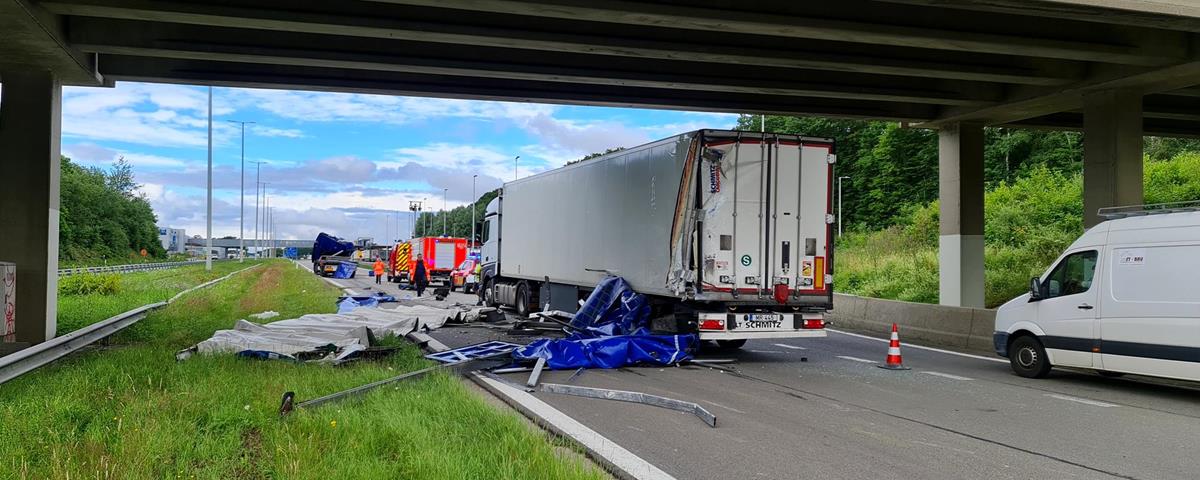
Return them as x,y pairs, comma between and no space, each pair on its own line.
522,300
1110,374
731,344
1028,357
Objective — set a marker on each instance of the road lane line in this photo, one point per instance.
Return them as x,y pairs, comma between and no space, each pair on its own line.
793,347
764,351
1081,400
884,340
946,375
856,359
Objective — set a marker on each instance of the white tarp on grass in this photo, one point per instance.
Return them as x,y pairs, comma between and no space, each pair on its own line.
350,329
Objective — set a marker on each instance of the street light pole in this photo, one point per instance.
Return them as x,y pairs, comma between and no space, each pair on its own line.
473,202
242,198
257,185
840,205
414,207
518,157
208,219
444,190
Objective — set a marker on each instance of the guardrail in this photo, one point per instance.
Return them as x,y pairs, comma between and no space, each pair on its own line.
29,359
133,267
957,328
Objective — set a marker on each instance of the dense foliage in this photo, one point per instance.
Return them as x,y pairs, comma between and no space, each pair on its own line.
102,217
1028,223
458,220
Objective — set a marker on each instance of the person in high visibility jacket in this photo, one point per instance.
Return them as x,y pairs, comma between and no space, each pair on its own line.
379,266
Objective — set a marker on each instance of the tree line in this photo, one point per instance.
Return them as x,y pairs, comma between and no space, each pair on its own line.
457,220
102,217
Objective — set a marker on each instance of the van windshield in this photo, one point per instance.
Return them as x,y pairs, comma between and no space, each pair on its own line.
1072,275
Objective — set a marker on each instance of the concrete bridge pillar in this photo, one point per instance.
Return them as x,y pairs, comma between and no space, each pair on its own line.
30,116
960,197
1112,151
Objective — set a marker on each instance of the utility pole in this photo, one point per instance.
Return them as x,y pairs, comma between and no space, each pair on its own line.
266,220
208,219
242,198
414,207
257,185
840,205
444,212
518,157
473,202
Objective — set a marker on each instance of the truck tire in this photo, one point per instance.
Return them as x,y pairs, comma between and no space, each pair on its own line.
1028,357
522,300
731,344
489,294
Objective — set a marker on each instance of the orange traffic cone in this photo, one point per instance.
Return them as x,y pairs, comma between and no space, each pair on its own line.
894,362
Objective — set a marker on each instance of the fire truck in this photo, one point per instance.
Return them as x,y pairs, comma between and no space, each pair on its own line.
441,255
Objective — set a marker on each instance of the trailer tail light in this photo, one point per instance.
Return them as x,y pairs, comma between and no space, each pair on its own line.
712,324
813,323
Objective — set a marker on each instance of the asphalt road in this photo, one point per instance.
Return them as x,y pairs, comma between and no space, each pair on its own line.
836,415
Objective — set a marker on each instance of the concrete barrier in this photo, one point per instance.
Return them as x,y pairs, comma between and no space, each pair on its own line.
956,328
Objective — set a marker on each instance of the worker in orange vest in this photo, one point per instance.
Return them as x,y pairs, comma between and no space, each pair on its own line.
378,270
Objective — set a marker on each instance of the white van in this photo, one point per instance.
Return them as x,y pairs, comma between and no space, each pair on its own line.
1124,298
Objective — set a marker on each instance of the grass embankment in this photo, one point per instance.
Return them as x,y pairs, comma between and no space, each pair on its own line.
87,299
132,411
1027,224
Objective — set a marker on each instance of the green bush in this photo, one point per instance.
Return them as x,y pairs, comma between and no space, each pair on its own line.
90,284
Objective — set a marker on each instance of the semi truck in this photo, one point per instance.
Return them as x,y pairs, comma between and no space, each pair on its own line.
441,255
329,253
729,234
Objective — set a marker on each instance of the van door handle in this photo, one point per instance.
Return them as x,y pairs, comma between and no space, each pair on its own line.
1086,307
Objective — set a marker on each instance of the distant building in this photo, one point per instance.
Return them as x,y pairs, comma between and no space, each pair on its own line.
172,239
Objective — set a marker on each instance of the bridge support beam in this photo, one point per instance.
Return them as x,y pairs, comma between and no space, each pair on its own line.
1112,151
960,194
30,118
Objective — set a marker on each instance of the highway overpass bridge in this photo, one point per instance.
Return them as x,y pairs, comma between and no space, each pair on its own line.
1113,68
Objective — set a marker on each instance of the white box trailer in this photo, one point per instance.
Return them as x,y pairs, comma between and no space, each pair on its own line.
729,233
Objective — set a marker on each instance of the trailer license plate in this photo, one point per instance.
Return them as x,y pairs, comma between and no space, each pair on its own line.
761,321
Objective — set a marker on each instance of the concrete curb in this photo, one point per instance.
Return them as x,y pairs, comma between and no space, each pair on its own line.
955,328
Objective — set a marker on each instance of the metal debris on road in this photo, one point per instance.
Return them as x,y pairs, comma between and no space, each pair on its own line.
537,372
634,397
470,352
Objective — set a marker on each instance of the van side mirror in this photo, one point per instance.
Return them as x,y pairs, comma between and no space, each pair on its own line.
1035,289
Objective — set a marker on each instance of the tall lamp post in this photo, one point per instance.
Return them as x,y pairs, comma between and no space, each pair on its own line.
257,185
208,219
242,197
414,207
518,157
473,202
444,190
840,205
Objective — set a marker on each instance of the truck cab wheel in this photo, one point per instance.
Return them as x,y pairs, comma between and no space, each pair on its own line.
731,344
522,300
489,294
1028,357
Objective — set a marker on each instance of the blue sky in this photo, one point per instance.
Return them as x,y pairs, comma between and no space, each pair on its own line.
347,164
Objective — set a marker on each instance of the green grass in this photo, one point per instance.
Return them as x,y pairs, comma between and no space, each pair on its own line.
131,411
135,290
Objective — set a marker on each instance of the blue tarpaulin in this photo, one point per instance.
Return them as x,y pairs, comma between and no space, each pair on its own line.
346,304
611,331
345,269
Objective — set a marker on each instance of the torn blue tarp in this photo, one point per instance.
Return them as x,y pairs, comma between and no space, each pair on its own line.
345,269
346,303
611,331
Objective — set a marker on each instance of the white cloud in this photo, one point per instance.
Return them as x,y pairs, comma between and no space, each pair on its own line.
262,131
327,107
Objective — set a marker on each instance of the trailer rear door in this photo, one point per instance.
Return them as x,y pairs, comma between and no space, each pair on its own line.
764,228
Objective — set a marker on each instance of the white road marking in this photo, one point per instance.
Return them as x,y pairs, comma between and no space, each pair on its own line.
635,466
884,340
1084,401
793,347
946,375
764,351
856,359
715,404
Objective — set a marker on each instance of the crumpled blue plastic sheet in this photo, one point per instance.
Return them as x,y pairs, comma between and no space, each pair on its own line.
346,304
345,269
611,331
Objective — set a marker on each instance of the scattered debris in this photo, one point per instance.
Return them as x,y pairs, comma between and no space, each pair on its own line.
511,370
458,367
537,372
470,352
265,315
635,397
576,374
